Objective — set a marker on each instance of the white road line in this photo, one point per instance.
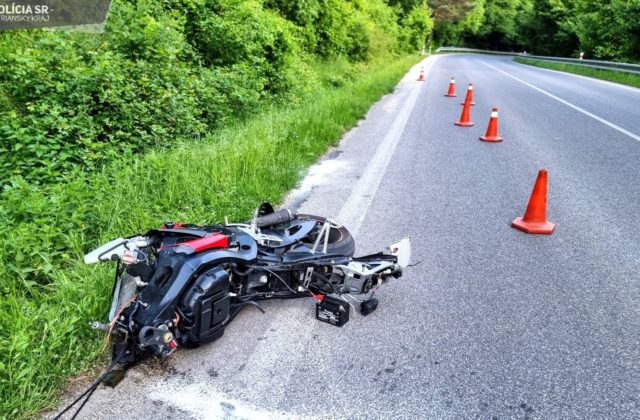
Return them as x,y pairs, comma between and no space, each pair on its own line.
591,79
353,212
569,104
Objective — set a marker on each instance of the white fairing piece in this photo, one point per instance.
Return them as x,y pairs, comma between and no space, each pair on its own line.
402,250
104,252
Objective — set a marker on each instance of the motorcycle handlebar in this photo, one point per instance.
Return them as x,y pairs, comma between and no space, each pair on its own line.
275,218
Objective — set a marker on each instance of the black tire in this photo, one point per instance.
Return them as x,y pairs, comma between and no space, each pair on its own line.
340,240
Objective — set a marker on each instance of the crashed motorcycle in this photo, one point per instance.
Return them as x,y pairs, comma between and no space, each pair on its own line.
182,284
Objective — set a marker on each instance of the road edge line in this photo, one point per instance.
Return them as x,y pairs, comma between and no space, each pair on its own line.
354,210
593,79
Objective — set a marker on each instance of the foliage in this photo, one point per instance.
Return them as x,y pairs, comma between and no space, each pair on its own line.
416,25
544,26
607,30
405,6
447,11
450,19
174,68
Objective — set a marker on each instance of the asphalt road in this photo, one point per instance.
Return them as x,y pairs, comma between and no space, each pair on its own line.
492,322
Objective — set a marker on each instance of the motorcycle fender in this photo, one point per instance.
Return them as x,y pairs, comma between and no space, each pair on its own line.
295,231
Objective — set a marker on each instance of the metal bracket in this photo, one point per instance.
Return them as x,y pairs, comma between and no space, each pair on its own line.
324,235
307,277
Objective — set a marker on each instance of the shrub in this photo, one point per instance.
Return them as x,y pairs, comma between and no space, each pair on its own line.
416,26
173,68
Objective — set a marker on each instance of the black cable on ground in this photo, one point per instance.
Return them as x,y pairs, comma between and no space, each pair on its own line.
91,388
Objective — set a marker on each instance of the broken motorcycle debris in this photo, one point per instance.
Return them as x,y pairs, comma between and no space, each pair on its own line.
182,284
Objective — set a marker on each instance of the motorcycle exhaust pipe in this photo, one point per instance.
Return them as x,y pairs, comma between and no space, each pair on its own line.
275,218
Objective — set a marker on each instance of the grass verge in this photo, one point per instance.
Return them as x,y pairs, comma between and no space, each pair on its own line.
629,79
48,296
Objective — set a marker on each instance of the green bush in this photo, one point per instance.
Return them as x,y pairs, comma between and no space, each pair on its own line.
416,26
245,33
173,68
81,101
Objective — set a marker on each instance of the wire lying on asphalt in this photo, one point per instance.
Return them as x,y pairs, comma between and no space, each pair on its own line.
91,388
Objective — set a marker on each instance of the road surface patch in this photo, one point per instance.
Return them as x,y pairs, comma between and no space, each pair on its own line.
569,104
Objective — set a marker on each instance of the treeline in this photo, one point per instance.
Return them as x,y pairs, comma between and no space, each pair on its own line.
175,68
607,29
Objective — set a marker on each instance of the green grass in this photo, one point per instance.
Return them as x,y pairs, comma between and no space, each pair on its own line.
48,296
610,75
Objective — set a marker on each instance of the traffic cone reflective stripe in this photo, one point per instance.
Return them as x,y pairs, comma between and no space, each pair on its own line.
535,217
469,96
452,88
465,119
492,129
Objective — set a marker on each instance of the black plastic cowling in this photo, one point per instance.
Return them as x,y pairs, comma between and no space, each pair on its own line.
205,306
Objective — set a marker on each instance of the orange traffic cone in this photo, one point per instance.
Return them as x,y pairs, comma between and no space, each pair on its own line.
465,120
421,77
535,219
492,129
452,87
469,96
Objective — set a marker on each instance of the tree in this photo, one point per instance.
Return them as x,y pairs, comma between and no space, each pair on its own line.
609,29
545,28
447,17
